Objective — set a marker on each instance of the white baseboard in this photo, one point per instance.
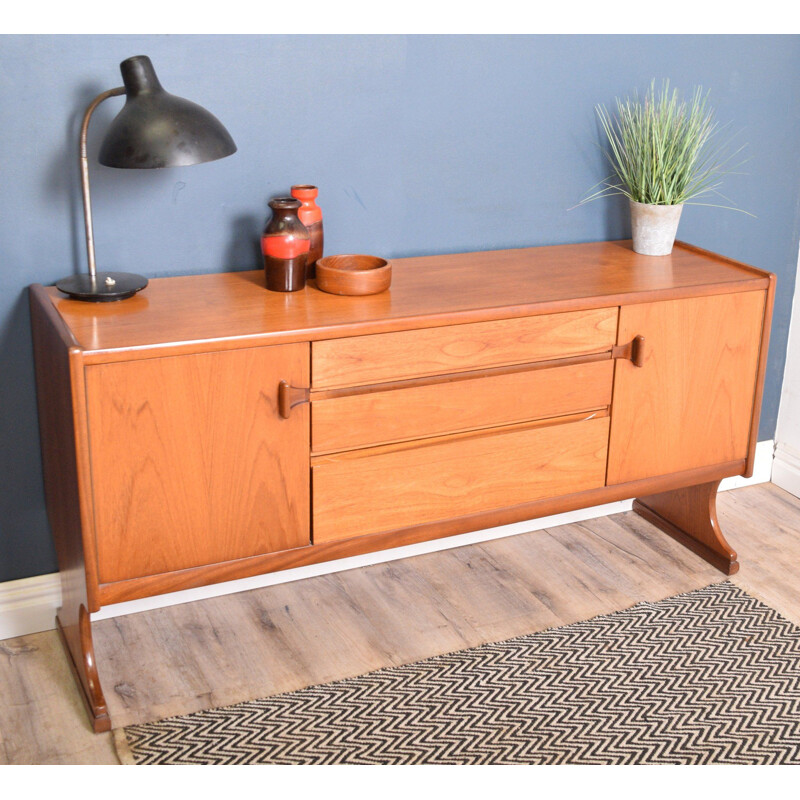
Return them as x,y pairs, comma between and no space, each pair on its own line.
29,605
786,468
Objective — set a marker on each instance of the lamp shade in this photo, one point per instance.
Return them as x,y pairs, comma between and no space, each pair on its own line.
154,129
158,129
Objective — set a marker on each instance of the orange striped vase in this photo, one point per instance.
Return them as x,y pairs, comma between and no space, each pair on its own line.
285,244
310,214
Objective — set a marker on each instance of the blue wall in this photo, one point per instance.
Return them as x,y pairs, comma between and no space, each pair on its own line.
418,144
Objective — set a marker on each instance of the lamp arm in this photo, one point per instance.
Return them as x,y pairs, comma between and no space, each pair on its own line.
84,161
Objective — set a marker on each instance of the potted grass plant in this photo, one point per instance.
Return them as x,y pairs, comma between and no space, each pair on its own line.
663,153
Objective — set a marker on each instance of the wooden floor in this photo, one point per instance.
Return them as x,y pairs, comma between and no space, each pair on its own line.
224,650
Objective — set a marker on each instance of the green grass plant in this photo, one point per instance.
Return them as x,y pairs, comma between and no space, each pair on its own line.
663,150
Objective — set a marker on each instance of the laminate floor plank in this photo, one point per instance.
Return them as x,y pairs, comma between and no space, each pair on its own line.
403,610
495,600
763,526
633,560
41,722
224,650
228,649
550,571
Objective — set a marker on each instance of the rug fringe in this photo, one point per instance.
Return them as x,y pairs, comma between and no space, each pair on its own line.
123,748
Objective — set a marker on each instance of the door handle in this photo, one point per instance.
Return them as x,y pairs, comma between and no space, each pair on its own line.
289,397
634,351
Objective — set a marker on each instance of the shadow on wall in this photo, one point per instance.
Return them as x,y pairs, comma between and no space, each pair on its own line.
244,249
25,544
616,217
613,209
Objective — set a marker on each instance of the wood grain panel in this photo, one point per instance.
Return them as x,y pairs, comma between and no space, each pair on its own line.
58,364
341,423
191,463
412,486
760,375
123,591
362,360
230,310
690,405
65,461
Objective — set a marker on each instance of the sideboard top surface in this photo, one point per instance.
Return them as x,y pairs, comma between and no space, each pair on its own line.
230,309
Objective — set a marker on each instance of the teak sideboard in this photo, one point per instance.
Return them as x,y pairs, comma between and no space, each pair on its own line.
207,429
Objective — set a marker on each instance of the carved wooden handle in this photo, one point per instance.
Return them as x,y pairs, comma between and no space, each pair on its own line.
634,351
289,397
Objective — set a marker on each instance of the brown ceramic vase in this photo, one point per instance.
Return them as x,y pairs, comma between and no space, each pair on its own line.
285,244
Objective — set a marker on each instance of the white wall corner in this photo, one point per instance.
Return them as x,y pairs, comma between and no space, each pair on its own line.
29,605
786,470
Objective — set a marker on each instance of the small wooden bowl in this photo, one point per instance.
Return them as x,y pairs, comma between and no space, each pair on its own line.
353,275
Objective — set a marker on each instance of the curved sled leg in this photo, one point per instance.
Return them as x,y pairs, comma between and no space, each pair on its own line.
690,516
76,636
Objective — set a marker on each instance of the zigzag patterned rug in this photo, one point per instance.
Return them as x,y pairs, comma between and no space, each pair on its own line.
711,676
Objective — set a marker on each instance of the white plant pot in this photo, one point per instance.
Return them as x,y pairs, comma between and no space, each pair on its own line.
654,228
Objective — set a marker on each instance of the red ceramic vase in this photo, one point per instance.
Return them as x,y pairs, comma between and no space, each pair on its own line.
285,244
310,214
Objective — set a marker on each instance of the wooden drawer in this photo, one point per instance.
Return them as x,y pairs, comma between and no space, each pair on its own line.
399,486
360,360
404,413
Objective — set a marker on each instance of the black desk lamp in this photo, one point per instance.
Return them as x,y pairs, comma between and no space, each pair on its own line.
154,129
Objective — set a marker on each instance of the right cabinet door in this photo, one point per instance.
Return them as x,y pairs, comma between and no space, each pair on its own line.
690,404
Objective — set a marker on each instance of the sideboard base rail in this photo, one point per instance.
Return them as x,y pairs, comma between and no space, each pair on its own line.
690,517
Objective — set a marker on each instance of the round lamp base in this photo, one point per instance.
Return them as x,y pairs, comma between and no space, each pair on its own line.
103,288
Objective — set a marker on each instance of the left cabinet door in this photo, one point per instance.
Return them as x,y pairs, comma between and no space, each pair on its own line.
191,462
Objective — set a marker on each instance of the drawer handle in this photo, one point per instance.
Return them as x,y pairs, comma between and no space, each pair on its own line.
634,351
289,397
